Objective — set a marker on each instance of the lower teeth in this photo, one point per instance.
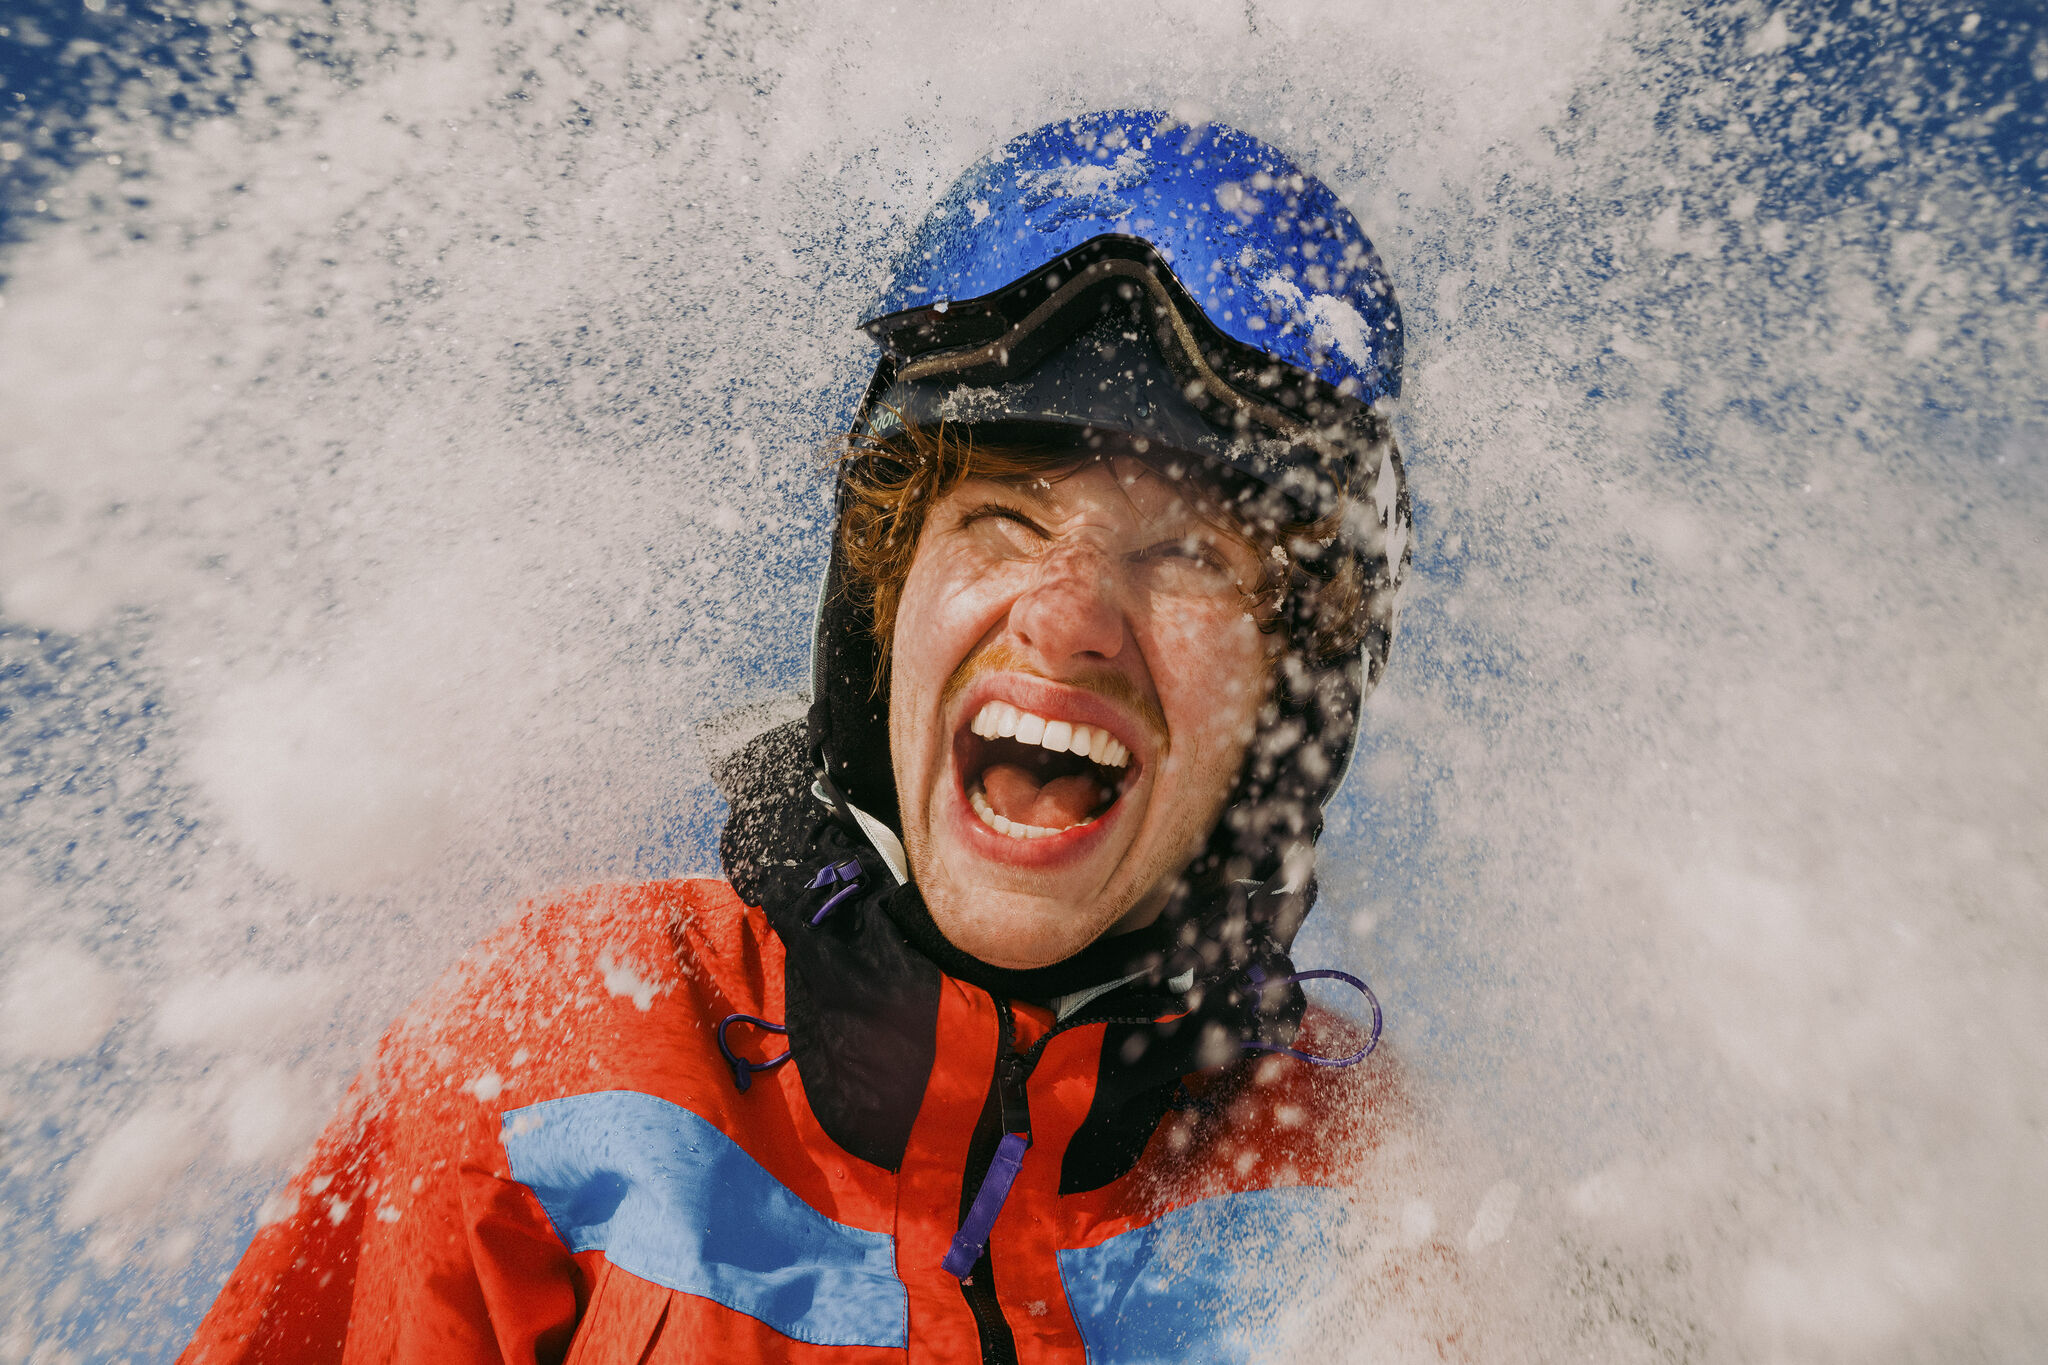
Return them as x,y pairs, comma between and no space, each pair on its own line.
1004,825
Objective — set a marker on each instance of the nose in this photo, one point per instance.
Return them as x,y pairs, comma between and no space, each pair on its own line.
1072,608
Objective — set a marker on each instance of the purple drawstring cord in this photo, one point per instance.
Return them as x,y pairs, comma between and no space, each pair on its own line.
847,872
972,1239
846,875
1258,978
742,1069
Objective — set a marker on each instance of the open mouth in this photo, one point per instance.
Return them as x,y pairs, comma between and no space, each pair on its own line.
1030,778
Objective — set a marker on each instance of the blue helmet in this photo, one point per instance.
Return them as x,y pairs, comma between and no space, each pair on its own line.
1260,249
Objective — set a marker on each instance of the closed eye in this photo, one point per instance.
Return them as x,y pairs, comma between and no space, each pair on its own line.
1186,549
999,512
997,525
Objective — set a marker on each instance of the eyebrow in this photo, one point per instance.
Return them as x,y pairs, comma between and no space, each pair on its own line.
1038,488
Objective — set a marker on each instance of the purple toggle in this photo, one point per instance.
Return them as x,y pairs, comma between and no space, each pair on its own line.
972,1239
836,872
847,872
743,1071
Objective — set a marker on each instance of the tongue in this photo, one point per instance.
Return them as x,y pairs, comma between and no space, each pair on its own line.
1016,795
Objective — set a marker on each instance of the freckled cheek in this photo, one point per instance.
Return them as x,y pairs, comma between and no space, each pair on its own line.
1211,679
946,609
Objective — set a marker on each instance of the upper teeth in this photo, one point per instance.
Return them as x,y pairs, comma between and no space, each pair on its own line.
1000,720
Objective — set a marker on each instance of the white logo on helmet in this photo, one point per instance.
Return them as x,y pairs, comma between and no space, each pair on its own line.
1334,323
1127,170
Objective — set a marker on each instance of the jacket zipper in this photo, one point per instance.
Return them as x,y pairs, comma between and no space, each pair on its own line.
991,1130
1002,1134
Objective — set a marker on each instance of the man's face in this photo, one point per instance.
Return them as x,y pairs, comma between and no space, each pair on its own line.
1097,605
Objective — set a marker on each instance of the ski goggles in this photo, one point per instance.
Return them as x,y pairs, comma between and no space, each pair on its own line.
1260,295
1106,339
1261,249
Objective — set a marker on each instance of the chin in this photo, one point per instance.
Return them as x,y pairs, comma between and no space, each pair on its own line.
1015,931
1022,904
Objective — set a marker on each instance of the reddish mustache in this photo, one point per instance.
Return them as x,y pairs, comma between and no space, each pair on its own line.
1106,683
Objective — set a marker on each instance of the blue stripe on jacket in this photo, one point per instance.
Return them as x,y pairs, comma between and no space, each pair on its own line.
668,1197
1218,1280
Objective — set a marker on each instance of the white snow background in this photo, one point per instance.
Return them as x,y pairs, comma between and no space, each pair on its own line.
395,469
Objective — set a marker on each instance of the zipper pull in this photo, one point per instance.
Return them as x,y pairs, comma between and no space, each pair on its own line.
972,1239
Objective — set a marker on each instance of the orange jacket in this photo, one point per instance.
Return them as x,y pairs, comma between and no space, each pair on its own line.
551,1159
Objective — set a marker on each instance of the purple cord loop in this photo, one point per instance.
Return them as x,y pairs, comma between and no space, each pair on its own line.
742,1069
831,874
1258,978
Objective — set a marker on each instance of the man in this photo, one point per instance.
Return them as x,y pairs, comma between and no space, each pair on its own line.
1119,532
